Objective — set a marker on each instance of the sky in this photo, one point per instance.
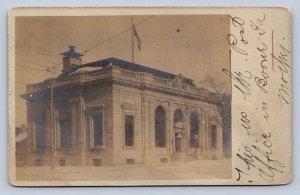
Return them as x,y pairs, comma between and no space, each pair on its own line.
193,45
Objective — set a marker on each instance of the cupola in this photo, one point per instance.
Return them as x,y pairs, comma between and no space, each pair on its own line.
71,58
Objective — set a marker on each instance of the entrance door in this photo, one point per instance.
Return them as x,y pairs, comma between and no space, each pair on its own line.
178,137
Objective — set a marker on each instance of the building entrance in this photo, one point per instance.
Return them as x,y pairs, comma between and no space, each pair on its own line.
178,145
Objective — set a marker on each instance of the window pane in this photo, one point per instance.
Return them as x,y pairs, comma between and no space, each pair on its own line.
160,127
213,136
65,134
98,130
40,134
194,134
129,130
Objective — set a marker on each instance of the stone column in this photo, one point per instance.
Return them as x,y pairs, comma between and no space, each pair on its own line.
47,128
187,130
74,121
29,131
169,128
203,132
207,135
219,139
80,129
142,124
151,125
171,132
146,125
56,129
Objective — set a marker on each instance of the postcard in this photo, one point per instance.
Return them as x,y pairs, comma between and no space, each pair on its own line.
150,96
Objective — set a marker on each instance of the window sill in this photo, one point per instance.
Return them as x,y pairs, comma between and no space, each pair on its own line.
97,148
39,151
129,147
69,151
160,147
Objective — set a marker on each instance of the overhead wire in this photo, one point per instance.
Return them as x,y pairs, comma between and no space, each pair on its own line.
38,49
33,69
45,52
116,35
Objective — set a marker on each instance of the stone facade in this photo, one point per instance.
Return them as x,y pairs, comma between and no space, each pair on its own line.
114,112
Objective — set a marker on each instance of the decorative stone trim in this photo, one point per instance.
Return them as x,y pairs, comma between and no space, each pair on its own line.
161,90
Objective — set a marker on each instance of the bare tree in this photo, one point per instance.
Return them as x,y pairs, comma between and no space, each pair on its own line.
220,89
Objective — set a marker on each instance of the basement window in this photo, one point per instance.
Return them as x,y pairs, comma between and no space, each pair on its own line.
163,160
130,161
38,162
62,162
97,162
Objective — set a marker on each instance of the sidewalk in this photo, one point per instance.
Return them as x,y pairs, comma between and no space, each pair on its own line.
201,169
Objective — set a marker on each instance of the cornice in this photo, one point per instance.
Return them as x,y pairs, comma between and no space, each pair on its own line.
162,90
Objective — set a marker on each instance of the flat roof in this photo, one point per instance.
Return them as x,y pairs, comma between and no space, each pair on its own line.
128,66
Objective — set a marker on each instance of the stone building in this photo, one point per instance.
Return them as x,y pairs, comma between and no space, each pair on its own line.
113,112
21,143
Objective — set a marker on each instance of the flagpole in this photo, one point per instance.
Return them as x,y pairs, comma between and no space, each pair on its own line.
132,43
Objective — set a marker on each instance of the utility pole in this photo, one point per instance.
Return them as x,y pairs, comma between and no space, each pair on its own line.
52,137
132,41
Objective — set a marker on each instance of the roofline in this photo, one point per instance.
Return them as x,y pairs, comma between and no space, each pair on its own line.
109,60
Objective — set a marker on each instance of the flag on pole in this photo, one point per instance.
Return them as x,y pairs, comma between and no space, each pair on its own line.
137,36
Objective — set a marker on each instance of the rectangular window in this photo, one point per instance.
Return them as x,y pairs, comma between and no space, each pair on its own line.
40,135
214,136
98,130
65,134
129,130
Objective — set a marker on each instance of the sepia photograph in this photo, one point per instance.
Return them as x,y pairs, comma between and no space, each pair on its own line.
149,96
122,98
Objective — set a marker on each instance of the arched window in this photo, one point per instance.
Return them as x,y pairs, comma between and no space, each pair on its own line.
178,116
213,135
160,127
194,134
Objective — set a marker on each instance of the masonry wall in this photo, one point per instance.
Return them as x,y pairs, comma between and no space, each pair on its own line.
114,96
142,104
100,96
127,101
170,104
72,103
